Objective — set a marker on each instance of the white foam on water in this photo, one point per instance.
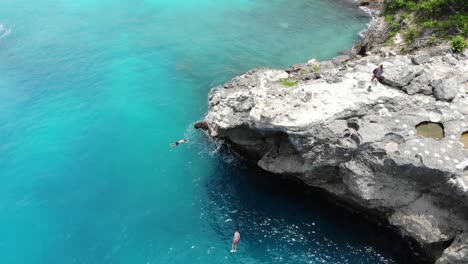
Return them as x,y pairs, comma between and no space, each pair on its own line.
367,10
4,31
209,146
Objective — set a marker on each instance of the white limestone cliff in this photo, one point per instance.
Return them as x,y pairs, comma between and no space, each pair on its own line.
357,140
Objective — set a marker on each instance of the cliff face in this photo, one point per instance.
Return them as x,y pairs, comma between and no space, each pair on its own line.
358,140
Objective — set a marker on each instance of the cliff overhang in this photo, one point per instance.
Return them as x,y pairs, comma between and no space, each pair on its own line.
391,147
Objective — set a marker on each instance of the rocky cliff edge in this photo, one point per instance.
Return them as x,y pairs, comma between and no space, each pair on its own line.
327,124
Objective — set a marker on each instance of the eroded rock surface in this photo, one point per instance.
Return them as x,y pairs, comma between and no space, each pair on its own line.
446,89
457,253
357,140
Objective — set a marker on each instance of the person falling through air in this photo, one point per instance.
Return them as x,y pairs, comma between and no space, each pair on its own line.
235,241
182,141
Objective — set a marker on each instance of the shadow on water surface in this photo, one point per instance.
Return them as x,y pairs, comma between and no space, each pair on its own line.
284,221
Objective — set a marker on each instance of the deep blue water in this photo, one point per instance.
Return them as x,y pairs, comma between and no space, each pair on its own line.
91,94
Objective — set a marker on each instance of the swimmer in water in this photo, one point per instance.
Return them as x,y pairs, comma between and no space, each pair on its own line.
182,141
235,241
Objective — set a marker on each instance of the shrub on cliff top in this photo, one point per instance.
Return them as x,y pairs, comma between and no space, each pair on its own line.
448,16
459,43
432,40
288,82
410,35
393,22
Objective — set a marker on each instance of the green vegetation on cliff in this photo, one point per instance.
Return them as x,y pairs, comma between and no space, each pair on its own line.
459,43
429,20
288,82
449,16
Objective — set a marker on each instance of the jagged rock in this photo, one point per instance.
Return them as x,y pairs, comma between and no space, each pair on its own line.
364,2
295,68
376,35
420,84
339,60
361,145
325,65
400,75
420,59
438,50
457,253
446,90
449,59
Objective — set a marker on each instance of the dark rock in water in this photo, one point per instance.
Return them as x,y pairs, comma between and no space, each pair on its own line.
202,125
421,59
364,2
445,90
401,75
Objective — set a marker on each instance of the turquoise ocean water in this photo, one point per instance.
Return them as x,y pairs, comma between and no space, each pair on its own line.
91,94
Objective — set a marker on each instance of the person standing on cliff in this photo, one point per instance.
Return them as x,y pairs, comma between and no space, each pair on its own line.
235,241
377,73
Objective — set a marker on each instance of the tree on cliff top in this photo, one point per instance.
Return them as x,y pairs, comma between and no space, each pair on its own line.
449,17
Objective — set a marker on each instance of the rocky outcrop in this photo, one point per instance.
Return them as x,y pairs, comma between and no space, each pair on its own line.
420,59
357,140
457,253
375,36
446,89
420,84
400,75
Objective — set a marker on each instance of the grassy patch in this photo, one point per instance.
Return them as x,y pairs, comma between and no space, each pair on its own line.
432,40
393,21
459,43
288,82
410,35
447,17
316,67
